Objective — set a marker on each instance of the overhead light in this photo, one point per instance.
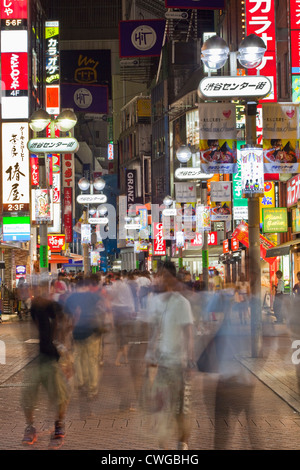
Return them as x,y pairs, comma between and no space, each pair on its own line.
168,201
99,184
66,120
214,52
251,51
183,154
39,120
83,184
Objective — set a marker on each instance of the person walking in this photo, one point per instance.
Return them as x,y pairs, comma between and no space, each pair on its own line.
170,354
47,315
87,309
123,307
278,300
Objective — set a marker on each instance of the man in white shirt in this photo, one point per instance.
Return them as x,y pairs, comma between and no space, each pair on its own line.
171,351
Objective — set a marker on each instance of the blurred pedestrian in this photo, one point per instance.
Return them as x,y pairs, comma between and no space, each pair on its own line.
296,288
241,299
171,355
278,299
123,307
47,315
87,311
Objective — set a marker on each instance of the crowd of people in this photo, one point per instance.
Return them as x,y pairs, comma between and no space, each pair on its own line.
162,319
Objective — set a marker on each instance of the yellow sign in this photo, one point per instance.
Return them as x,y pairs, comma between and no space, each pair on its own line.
144,108
268,200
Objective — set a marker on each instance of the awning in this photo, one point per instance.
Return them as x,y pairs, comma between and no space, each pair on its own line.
58,259
283,249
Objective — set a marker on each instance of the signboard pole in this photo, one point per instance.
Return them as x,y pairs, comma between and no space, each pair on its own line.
85,247
205,262
254,246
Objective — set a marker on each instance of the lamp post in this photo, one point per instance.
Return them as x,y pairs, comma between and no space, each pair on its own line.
215,53
84,185
38,121
168,202
183,155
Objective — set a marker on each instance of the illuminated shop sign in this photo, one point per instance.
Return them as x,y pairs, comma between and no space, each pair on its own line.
260,20
14,60
15,167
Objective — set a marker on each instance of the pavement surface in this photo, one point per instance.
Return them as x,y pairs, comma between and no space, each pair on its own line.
257,410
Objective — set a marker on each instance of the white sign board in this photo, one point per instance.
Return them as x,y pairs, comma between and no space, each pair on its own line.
54,145
91,198
191,174
250,86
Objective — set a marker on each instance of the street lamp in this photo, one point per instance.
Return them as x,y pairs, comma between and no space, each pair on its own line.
183,154
38,121
250,54
98,184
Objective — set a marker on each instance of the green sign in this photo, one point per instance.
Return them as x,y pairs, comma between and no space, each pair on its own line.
275,219
205,262
240,204
295,220
43,256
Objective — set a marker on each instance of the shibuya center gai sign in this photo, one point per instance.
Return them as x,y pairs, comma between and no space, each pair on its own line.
64,145
235,87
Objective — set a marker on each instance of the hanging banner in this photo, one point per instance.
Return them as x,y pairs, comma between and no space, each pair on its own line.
252,171
221,211
220,191
141,38
185,192
240,204
85,233
281,138
203,218
186,219
217,155
159,244
41,206
85,99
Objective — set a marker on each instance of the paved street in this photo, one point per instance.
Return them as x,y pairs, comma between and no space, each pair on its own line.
264,415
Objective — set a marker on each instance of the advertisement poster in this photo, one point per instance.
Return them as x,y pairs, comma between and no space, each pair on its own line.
203,218
281,137
220,211
41,206
252,171
217,155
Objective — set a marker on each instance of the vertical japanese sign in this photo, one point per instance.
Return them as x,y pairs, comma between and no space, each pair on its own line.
56,187
159,244
14,59
15,167
260,20
68,177
52,67
217,155
281,138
